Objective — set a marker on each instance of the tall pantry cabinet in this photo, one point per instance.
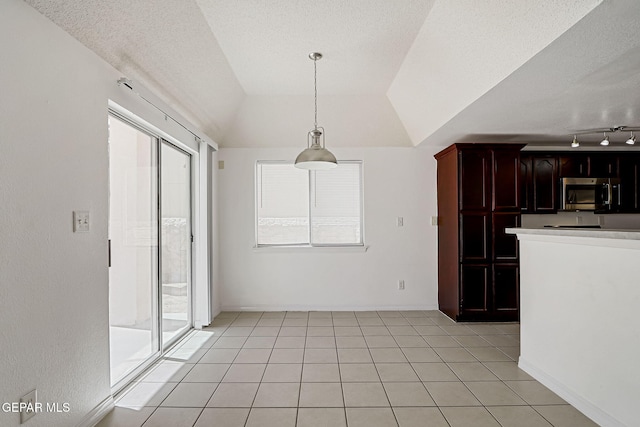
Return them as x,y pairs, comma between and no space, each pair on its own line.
478,197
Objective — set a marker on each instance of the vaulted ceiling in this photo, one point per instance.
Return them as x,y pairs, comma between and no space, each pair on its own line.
394,73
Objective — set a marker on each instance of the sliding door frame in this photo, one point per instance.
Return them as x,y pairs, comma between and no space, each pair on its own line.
159,139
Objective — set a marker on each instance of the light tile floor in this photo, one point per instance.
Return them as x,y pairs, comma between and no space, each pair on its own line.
370,369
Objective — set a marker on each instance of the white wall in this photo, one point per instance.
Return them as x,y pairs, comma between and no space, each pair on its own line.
397,182
53,160
580,332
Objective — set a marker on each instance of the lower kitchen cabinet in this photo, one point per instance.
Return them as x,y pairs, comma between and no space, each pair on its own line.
489,292
506,290
474,291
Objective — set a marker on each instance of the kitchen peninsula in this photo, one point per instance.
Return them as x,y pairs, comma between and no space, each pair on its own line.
580,327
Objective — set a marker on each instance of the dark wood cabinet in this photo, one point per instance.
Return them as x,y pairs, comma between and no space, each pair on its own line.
545,184
505,246
630,183
541,177
506,297
573,166
603,165
505,183
479,195
474,178
538,183
526,184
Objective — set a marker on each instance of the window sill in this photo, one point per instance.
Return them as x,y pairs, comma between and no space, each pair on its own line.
361,248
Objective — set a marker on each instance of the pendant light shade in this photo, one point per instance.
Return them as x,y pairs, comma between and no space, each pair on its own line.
316,156
605,141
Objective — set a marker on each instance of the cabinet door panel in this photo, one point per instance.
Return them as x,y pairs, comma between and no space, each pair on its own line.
545,182
474,180
573,166
474,237
505,246
474,288
506,287
603,166
506,180
629,183
526,184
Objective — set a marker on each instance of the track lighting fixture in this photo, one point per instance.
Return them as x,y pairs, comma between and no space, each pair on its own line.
605,140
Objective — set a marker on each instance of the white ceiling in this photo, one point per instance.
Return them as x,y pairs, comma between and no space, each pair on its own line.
363,41
395,73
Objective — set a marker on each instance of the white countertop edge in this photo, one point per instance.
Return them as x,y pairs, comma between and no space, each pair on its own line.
578,232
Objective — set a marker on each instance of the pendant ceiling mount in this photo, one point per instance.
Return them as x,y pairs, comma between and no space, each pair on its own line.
316,156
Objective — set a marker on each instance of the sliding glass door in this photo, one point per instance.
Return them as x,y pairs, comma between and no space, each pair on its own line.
150,247
176,241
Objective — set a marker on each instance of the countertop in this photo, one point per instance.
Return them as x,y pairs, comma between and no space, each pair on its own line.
629,234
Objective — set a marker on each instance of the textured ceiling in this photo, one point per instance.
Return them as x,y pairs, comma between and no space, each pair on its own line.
363,42
239,69
166,45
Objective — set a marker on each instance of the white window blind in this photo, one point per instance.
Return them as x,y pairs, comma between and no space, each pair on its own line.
283,207
317,208
336,206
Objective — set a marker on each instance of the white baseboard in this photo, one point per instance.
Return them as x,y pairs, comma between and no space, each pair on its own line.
581,404
97,413
267,307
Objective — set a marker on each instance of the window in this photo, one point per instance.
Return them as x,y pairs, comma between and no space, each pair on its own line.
308,208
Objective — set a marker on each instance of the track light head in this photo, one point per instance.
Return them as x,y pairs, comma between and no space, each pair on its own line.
632,139
575,143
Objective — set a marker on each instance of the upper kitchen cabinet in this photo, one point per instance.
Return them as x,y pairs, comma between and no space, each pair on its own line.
593,165
603,165
573,166
505,183
539,183
474,179
630,183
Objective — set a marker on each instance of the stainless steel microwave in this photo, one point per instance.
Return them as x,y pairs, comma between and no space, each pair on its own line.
590,194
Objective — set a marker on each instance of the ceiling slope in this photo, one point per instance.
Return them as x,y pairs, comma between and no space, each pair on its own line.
587,78
363,41
466,47
164,44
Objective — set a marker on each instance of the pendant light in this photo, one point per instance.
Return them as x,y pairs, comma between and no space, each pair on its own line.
605,141
316,156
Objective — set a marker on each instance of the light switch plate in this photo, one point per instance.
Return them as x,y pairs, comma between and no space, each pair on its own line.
30,411
80,221
434,220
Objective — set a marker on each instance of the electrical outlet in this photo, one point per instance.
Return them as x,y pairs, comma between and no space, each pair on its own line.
400,221
401,285
28,406
80,221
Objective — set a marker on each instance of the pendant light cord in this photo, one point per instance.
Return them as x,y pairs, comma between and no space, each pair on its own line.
315,93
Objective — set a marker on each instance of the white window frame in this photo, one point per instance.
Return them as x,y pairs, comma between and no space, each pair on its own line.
361,244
